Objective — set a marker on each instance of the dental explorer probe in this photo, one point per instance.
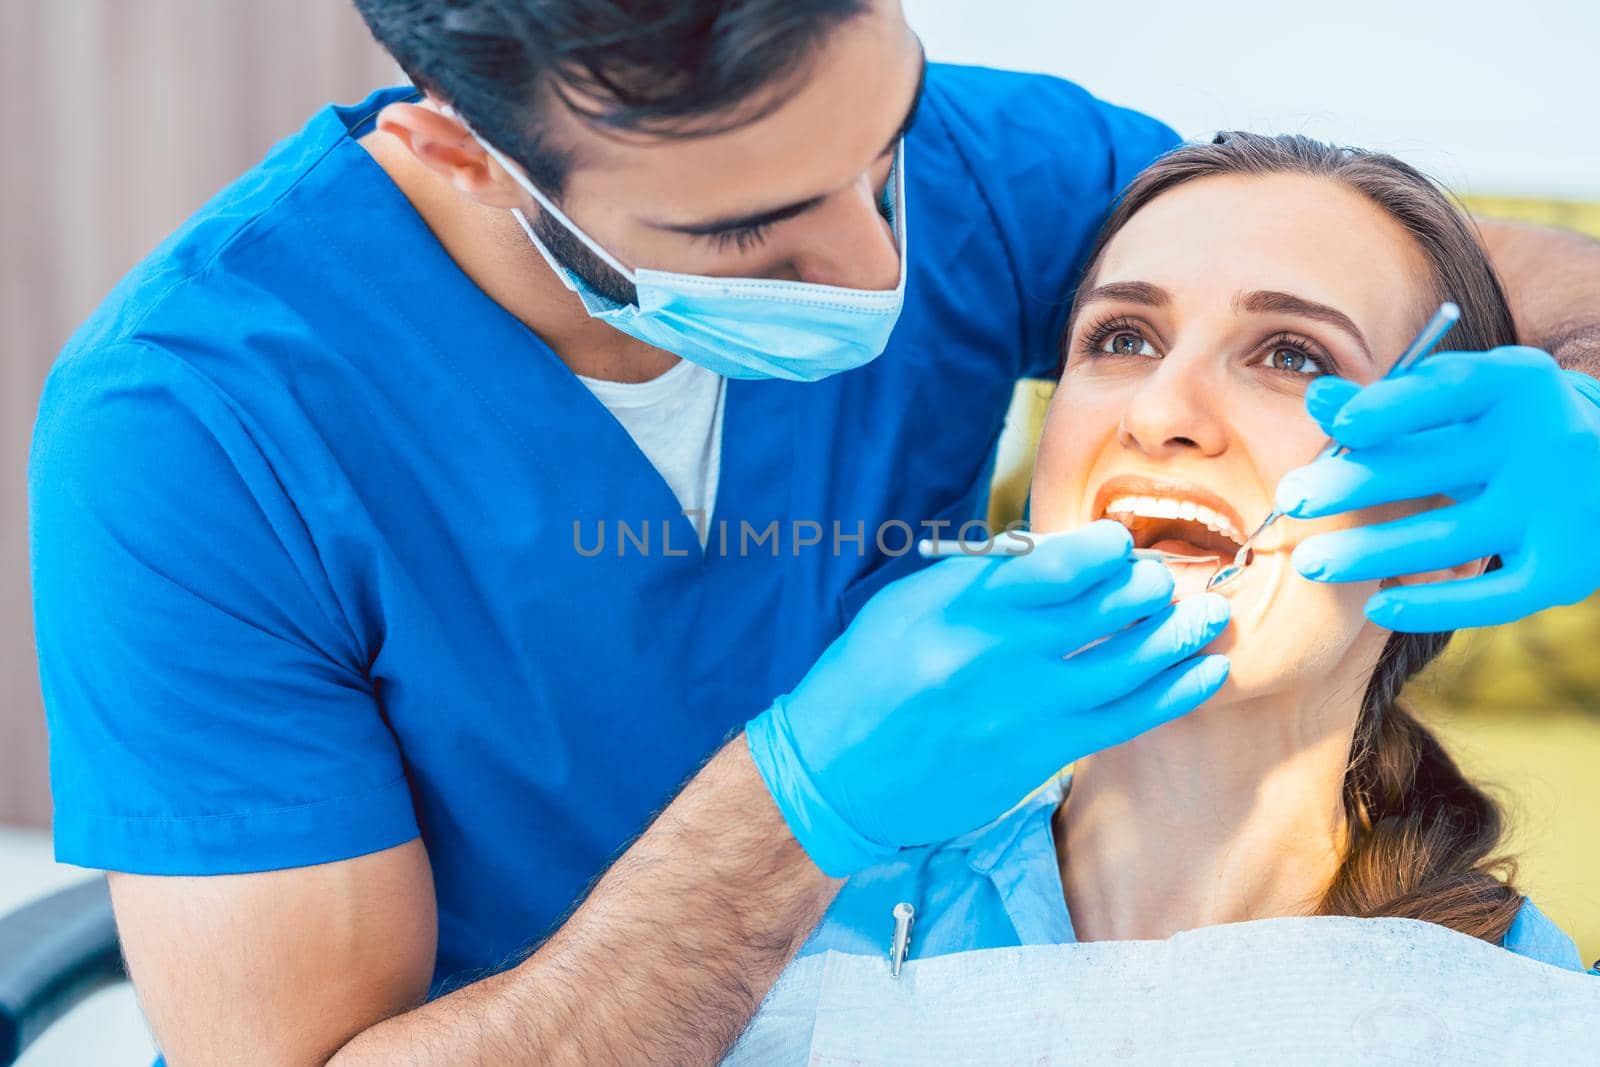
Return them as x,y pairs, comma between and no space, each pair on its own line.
942,548
1432,333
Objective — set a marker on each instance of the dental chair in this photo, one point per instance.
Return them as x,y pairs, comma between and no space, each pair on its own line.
54,953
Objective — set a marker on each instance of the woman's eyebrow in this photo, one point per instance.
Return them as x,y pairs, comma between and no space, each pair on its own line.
1264,300
1131,292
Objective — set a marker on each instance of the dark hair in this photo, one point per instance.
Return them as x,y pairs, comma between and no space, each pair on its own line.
1423,839
658,67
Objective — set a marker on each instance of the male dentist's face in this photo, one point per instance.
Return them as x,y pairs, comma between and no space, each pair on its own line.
794,195
1181,403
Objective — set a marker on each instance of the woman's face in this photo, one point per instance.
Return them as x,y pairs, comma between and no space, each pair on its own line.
1181,403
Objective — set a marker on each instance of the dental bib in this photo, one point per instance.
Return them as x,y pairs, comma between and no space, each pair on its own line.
1324,990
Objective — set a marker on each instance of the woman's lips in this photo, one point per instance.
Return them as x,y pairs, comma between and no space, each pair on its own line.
1198,523
1202,540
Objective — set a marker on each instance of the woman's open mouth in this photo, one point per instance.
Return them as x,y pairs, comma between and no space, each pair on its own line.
1172,517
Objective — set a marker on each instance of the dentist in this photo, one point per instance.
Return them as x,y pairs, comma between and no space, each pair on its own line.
355,716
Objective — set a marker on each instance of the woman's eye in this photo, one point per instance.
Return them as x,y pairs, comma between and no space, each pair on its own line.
1294,361
1126,343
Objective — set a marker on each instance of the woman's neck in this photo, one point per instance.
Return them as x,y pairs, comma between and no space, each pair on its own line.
1233,812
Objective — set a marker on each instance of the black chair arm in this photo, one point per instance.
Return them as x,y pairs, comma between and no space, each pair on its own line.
54,953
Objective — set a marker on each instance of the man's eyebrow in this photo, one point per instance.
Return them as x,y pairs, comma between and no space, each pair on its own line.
799,207
1266,300
1129,292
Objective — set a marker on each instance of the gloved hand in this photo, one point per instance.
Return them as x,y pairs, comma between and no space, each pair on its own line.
960,688
1512,439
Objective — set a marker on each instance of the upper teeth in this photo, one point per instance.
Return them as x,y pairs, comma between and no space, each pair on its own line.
1165,507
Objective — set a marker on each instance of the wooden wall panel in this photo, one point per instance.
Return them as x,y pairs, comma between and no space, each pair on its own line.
118,119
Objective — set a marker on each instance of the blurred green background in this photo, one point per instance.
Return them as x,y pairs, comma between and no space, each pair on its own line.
1518,705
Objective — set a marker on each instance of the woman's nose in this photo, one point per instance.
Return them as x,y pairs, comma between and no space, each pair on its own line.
1169,413
850,243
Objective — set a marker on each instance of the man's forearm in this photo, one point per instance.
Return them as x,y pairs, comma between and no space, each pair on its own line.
664,962
1552,278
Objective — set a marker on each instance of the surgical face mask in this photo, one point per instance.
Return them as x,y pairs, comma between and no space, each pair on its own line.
741,327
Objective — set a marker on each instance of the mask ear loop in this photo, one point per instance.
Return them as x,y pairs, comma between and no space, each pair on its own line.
520,176
897,214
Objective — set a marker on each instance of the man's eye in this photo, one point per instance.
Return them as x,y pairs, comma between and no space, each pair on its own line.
745,238
1126,343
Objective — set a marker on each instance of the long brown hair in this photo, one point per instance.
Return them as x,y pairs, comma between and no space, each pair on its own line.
1424,841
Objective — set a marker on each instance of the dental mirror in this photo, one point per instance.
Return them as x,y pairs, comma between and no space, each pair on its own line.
1432,333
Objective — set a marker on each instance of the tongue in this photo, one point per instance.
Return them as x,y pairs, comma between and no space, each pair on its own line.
1182,548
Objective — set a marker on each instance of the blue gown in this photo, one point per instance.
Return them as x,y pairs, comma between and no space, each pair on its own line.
1000,886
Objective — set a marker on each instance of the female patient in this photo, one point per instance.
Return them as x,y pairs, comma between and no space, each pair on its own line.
1230,276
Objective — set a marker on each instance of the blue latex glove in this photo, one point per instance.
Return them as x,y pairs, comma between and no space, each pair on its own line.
953,693
1512,439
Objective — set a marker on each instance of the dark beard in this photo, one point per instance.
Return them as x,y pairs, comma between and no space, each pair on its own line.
576,257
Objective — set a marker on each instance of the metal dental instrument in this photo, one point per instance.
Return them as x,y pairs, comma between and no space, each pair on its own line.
900,943
1432,333
942,549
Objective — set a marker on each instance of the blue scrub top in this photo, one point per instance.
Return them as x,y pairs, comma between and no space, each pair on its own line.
1000,887
304,503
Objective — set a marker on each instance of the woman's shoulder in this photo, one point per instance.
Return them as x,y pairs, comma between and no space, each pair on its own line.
1533,935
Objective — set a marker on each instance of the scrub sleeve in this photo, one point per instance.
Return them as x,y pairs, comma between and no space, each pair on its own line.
208,707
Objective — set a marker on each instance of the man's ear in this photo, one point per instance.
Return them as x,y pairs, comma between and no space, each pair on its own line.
443,145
